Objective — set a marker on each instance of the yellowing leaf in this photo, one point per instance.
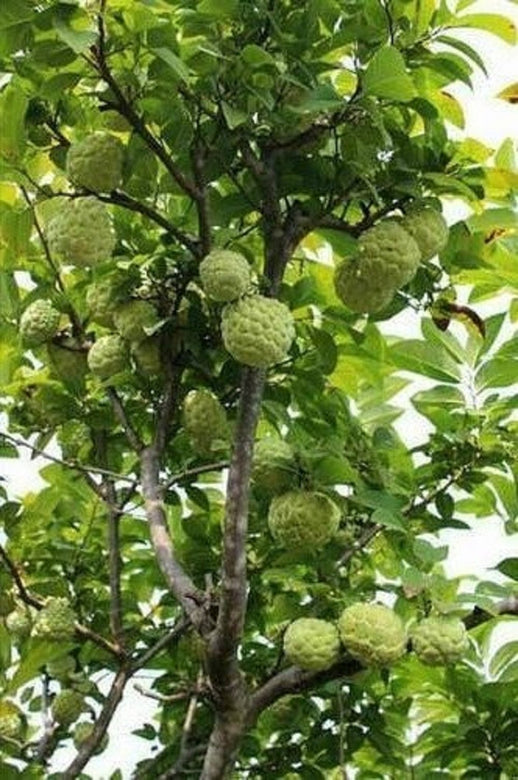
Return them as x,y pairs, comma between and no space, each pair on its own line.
496,24
510,93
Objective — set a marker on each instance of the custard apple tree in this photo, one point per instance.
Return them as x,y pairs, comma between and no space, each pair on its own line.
257,299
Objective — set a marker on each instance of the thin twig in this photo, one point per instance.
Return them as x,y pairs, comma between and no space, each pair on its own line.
122,417
174,634
195,472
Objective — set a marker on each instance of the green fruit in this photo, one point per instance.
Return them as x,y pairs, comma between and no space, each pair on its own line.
82,233
11,723
438,641
273,465
7,604
102,297
19,623
82,733
147,356
108,356
39,323
205,422
61,668
95,163
386,259
372,633
132,318
429,229
224,275
302,520
68,363
257,331
56,621
312,644
67,707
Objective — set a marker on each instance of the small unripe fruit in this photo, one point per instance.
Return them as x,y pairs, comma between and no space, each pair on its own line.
19,623
61,668
11,723
372,633
224,275
438,641
205,421
108,356
82,233
147,356
257,331
312,644
303,520
67,707
95,163
74,439
429,229
132,318
102,297
273,466
82,733
39,323
56,621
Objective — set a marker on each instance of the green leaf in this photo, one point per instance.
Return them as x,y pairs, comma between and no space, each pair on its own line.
79,40
425,359
497,24
13,105
38,653
386,76
509,567
178,67
218,9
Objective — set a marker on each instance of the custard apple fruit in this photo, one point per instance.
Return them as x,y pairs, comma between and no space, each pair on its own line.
67,707
56,621
82,733
205,421
82,233
108,356
147,356
438,641
273,465
303,520
132,318
7,604
429,229
68,362
386,259
372,633
11,724
95,163
102,297
257,331
39,323
312,644
225,275
61,668
19,623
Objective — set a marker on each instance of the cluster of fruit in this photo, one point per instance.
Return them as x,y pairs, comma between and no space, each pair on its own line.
387,258
374,635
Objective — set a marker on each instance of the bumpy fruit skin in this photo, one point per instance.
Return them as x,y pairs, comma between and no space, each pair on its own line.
61,668
372,633
82,233
386,259
39,323
312,644
132,318
205,421
82,732
95,163
225,275
303,520
147,356
257,331
108,356
429,229
67,707
273,465
11,723
438,641
19,623
56,621
102,297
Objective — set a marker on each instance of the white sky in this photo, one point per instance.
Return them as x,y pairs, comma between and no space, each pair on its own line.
491,121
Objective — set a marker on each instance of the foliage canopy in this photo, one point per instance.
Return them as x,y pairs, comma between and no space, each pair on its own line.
283,132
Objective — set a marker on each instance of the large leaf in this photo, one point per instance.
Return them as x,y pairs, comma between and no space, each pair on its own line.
426,359
497,24
386,76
